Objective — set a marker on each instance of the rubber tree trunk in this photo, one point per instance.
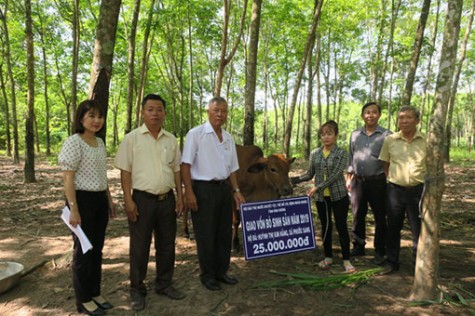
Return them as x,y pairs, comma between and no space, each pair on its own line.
427,263
103,55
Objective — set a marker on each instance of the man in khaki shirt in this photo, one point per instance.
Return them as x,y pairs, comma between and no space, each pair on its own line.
404,157
149,160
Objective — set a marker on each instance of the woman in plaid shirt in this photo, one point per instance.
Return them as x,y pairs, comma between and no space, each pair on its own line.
327,165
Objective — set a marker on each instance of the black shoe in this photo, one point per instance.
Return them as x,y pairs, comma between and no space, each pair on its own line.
137,300
172,293
212,285
388,268
378,260
357,252
226,279
103,305
142,289
82,309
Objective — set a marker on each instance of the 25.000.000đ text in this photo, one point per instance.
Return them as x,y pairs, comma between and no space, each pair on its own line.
278,245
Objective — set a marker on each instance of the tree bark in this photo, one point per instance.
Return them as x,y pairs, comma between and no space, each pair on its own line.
318,84
8,144
458,72
406,99
389,47
376,62
191,76
308,46
131,66
37,136
8,58
223,60
390,98
230,88
74,78
307,132
429,65
115,112
265,128
251,70
103,55
29,168
427,263
143,64
44,54
46,96
326,78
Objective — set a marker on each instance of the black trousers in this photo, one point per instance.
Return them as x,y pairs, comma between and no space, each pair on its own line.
340,212
212,224
402,201
87,268
372,192
157,217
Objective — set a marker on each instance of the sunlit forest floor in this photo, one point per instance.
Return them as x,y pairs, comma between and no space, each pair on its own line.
32,234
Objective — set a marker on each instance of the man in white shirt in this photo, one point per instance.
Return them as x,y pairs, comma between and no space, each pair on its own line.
209,165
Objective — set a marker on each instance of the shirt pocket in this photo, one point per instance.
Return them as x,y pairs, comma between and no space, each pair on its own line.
168,155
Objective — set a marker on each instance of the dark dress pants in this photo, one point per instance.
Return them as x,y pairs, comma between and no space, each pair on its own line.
212,224
372,192
339,209
87,268
402,201
157,217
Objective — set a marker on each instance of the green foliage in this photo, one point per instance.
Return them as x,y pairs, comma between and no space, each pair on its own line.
462,156
454,295
349,31
319,283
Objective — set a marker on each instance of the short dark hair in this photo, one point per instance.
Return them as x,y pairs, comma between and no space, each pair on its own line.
329,124
217,100
371,103
407,108
153,96
84,107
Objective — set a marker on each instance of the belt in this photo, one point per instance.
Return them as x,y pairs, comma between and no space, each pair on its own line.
160,197
407,188
371,178
215,182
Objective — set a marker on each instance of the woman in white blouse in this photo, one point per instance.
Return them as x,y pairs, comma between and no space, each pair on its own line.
84,163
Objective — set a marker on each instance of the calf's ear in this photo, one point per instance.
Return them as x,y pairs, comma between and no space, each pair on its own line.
290,160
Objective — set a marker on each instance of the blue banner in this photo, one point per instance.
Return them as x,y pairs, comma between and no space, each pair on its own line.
277,227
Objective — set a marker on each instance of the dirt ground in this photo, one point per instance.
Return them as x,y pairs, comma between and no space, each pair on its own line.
32,234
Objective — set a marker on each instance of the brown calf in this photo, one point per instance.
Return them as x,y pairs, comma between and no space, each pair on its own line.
260,178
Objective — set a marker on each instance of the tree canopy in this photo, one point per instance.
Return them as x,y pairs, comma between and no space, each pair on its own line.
362,48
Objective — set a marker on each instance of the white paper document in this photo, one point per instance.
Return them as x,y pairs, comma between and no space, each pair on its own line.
85,243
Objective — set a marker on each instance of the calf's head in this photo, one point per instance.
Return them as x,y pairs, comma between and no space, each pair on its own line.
276,169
